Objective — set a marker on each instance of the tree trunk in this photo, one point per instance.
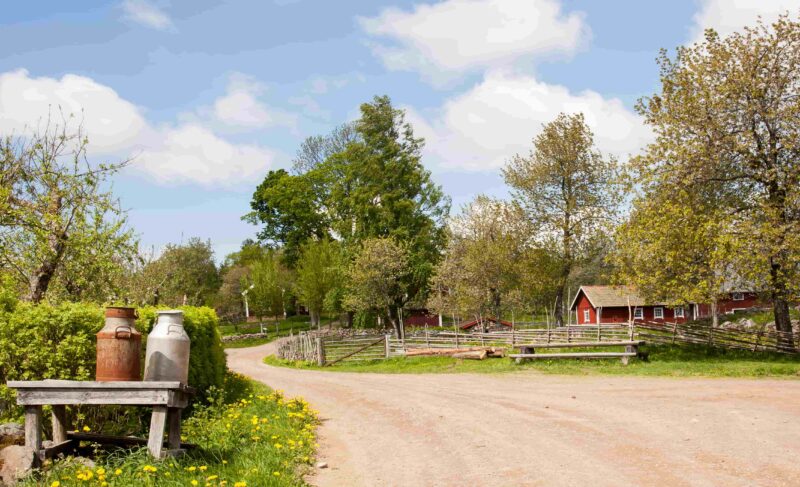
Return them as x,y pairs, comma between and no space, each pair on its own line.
41,279
780,309
714,314
559,312
350,316
315,321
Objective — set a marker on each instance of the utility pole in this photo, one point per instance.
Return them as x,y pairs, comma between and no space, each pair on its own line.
246,307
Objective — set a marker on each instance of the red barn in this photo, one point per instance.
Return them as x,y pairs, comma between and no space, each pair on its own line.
610,304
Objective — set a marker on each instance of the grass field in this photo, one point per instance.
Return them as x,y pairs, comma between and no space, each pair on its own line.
286,327
263,439
665,360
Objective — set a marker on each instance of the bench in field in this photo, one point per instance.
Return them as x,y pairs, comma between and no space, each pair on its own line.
528,351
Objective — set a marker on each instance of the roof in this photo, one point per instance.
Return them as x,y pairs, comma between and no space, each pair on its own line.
610,296
470,324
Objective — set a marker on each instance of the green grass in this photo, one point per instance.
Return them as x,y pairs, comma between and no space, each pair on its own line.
294,324
665,360
263,439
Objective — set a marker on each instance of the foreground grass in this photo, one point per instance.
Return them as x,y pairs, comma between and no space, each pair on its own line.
262,439
665,360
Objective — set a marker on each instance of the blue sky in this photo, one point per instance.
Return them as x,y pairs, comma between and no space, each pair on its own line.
207,96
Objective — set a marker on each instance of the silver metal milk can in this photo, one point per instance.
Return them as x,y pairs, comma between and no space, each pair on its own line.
167,357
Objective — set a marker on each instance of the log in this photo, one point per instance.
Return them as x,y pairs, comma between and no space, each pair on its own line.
450,351
477,355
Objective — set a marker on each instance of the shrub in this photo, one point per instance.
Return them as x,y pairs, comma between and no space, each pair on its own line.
58,342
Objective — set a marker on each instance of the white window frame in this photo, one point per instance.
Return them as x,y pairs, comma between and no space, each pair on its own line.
737,296
587,318
679,312
638,313
658,310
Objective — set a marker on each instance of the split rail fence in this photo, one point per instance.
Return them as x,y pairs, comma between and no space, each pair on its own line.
762,340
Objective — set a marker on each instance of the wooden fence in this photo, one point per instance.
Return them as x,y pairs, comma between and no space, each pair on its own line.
728,337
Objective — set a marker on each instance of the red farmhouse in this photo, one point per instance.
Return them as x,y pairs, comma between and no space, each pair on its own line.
610,304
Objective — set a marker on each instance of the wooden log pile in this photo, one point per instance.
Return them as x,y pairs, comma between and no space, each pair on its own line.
473,353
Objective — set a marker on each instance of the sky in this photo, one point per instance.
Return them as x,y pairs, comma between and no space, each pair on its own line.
204,97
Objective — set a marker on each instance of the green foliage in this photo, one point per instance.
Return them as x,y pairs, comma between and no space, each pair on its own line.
727,124
569,192
47,342
366,182
184,274
319,273
271,285
376,278
261,439
207,359
665,361
62,234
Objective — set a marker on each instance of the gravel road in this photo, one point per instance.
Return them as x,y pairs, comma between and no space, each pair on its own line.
531,429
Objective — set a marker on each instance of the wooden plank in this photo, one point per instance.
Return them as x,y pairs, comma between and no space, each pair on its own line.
59,421
90,384
33,427
59,448
581,344
174,435
158,420
573,355
140,397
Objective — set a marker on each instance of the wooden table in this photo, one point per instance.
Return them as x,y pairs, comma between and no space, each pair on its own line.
166,398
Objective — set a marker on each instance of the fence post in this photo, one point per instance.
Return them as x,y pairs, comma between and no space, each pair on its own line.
427,338
320,352
674,331
386,345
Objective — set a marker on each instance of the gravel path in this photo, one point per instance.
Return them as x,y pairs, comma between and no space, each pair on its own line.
531,429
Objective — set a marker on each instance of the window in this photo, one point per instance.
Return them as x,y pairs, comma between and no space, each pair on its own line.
737,296
679,312
586,316
658,313
638,314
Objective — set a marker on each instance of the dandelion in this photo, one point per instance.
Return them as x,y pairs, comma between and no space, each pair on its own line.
101,471
87,429
149,468
277,474
194,482
55,483
118,471
202,468
191,469
240,484
212,477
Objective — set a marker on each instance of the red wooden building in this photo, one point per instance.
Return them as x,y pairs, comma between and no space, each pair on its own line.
616,304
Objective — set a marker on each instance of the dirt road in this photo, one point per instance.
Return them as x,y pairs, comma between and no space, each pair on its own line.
532,429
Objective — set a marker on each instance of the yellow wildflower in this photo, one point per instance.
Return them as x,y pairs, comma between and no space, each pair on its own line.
117,471
55,483
194,482
87,429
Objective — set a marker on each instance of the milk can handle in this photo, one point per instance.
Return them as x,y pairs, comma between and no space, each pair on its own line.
125,327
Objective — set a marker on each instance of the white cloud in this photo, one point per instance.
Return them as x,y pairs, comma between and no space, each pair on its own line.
146,14
185,153
461,35
241,108
728,16
499,117
194,154
110,121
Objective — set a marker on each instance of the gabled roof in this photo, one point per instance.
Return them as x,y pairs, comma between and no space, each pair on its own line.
610,296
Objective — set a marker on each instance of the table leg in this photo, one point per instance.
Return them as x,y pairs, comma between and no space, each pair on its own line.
59,424
33,428
157,422
174,439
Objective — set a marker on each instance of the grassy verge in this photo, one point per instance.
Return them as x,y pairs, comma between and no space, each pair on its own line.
262,439
669,361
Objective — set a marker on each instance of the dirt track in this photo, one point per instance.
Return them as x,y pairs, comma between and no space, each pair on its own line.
531,429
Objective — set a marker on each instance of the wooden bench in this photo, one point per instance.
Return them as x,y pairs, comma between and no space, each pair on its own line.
528,350
168,399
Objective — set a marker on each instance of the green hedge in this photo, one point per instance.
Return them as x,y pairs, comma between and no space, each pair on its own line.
58,342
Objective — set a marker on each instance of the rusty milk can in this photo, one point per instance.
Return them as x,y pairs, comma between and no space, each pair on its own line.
119,346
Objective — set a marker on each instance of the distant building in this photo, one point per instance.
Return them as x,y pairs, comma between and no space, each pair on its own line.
594,305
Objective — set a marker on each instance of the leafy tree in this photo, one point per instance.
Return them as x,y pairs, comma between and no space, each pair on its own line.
377,279
364,181
184,274
485,261
319,273
290,209
568,191
229,302
59,227
727,118
272,286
